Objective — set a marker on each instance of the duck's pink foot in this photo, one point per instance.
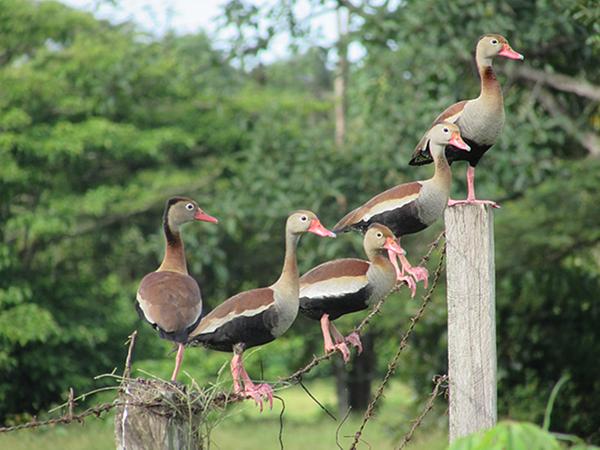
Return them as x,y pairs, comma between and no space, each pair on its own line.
473,202
354,340
341,347
419,274
410,282
266,391
253,393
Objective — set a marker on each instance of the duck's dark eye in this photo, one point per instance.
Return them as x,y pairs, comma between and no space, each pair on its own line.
494,41
303,218
445,130
379,235
189,206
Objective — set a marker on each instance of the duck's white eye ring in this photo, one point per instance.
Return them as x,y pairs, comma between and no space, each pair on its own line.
379,235
445,130
189,206
494,41
303,218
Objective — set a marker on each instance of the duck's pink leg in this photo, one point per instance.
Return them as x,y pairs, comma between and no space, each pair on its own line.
419,273
178,361
354,340
340,342
328,342
400,277
257,392
240,376
236,363
471,200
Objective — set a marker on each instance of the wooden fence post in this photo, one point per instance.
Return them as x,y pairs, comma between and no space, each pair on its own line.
471,319
157,416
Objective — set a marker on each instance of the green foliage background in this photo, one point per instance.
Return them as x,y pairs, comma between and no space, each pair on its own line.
100,123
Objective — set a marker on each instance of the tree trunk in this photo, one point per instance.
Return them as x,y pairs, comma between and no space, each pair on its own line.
341,78
361,376
341,383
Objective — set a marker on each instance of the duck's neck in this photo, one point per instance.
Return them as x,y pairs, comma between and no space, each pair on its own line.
490,90
379,260
442,175
289,279
174,259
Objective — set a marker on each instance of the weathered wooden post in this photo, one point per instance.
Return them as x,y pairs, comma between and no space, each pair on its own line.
471,319
157,416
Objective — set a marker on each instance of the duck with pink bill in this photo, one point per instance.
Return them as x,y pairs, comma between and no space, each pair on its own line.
411,207
259,316
169,298
480,120
344,286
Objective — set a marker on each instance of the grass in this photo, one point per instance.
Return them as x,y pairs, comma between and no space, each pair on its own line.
306,426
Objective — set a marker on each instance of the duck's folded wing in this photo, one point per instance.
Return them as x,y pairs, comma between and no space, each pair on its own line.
169,300
245,304
393,198
421,154
334,279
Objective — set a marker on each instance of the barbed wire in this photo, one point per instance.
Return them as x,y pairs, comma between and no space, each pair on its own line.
440,382
219,399
403,343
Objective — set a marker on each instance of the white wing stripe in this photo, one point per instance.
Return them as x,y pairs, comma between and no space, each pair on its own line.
142,302
216,323
454,117
334,287
389,205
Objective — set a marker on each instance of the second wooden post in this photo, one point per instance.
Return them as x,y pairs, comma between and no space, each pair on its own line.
471,319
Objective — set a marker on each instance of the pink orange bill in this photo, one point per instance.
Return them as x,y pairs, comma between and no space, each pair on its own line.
457,141
509,53
318,229
392,245
201,215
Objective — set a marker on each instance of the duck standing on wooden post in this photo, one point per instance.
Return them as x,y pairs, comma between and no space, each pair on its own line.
411,207
169,298
480,120
343,286
259,316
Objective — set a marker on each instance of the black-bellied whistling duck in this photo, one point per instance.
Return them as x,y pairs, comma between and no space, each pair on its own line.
411,207
258,316
344,286
169,299
480,120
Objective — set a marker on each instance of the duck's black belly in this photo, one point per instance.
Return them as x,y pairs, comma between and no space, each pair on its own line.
401,221
473,156
249,331
335,306
454,154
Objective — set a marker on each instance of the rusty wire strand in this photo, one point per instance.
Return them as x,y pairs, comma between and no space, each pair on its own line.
439,381
403,343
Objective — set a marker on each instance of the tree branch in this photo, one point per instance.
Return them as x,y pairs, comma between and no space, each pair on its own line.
353,8
588,139
559,81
